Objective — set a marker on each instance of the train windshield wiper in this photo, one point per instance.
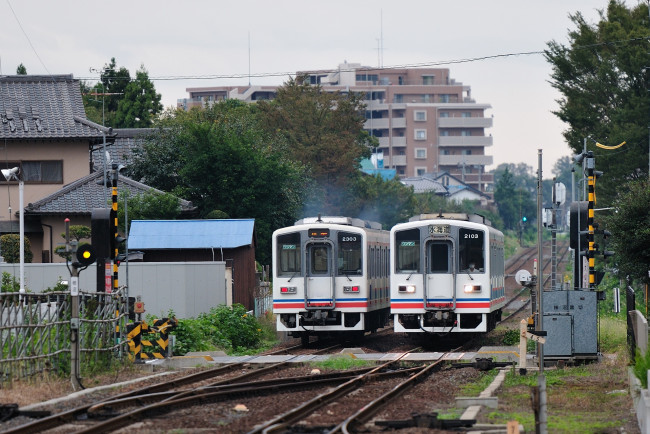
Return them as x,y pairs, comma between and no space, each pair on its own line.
292,276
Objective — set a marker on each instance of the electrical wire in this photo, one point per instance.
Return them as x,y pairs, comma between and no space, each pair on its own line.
27,37
369,68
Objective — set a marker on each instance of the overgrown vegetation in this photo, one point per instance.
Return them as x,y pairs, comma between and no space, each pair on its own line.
342,362
230,329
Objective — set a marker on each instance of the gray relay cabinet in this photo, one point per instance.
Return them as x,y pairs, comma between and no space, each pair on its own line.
570,321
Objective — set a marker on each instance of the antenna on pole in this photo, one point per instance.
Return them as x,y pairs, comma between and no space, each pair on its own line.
249,57
381,38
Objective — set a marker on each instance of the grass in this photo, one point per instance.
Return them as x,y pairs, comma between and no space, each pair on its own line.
342,362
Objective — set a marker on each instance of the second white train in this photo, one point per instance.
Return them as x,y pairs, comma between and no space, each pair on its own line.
447,274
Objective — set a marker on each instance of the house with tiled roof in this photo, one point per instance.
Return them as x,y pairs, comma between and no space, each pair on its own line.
43,131
77,200
447,185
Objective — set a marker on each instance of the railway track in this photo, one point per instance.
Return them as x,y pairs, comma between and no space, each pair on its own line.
524,260
298,396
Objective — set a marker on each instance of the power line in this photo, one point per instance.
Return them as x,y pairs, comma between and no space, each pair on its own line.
404,66
27,37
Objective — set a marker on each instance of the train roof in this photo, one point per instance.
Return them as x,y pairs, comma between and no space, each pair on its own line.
340,220
474,218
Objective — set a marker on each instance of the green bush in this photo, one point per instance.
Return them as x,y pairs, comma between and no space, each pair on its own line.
230,329
9,283
641,367
10,248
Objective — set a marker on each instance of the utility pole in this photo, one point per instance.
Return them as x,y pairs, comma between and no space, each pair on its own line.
541,379
75,365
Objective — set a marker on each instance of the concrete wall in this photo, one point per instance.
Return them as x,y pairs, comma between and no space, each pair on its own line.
640,325
641,397
187,288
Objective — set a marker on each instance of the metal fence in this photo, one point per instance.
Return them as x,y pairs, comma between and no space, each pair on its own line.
35,331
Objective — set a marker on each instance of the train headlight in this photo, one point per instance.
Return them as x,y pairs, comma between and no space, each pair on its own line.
288,290
350,289
410,289
472,288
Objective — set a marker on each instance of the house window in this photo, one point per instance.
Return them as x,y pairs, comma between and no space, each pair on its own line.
466,152
420,153
420,171
466,114
444,98
38,172
444,133
399,98
445,152
420,115
465,133
427,80
444,114
420,134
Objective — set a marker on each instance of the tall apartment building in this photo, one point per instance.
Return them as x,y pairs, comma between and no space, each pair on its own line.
425,121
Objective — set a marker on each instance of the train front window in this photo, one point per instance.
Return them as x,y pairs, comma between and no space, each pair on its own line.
439,257
318,259
471,250
407,251
288,254
349,255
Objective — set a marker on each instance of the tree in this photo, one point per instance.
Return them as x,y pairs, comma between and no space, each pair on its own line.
513,203
220,159
323,131
630,228
77,233
21,70
602,76
102,99
10,248
139,104
150,205
376,199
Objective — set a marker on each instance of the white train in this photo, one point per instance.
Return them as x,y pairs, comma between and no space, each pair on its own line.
447,274
331,276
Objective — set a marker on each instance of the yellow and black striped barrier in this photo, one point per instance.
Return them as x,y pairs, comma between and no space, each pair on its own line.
155,338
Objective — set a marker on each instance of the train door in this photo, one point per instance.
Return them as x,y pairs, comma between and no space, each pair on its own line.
440,281
319,276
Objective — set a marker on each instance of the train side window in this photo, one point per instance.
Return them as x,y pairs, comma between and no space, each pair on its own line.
288,254
407,245
471,250
349,254
439,257
319,259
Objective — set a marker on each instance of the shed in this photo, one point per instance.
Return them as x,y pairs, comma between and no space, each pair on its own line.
229,240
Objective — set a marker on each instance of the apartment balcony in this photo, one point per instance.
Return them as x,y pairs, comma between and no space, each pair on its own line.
377,104
386,142
384,123
460,122
468,160
396,160
464,141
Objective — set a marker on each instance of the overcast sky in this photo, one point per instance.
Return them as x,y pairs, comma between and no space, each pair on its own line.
174,39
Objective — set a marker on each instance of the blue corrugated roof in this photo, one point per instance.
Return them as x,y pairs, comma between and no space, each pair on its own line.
190,234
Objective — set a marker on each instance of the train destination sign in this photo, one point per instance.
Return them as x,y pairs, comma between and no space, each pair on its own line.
438,229
319,233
